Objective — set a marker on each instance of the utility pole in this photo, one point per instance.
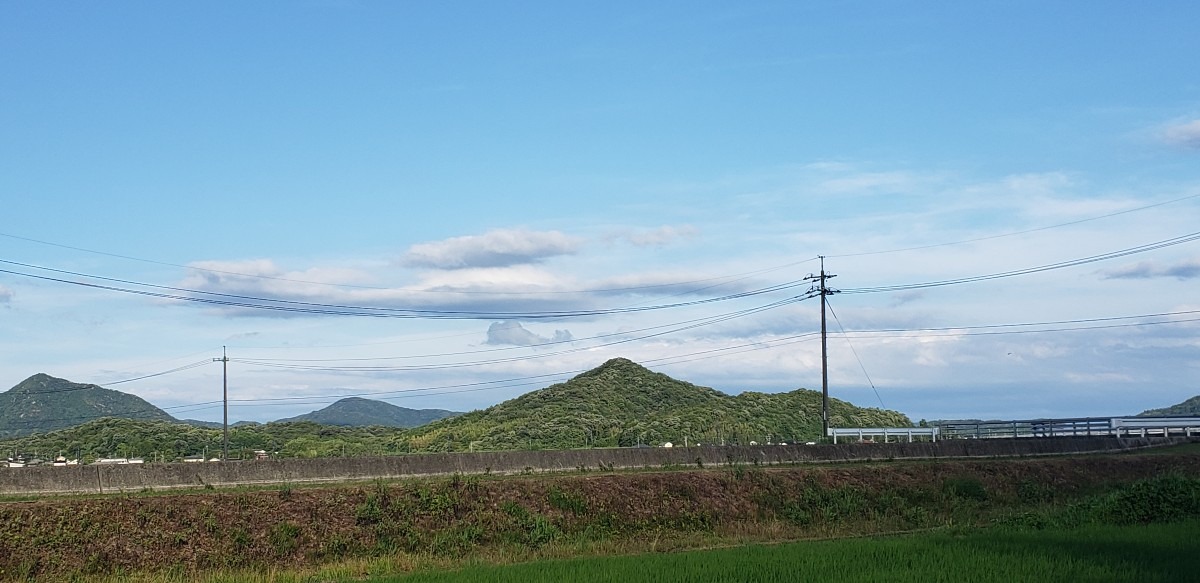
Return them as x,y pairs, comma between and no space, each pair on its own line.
224,360
823,290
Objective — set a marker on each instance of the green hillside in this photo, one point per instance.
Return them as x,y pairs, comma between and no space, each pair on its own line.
45,403
1188,407
355,411
621,404
172,441
618,404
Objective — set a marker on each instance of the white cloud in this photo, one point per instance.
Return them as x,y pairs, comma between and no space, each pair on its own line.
255,271
662,236
498,248
1040,183
1100,377
486,290
871,182
1182,270
512,333
1184,133
6,295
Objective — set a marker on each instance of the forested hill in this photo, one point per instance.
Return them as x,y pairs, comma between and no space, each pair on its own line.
621,403
359,412
1188,407
618,404
44,403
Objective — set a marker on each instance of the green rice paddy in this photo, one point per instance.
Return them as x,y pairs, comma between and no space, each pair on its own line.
1141,553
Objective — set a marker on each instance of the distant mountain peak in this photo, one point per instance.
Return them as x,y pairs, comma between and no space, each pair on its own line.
617,367
1188,407
45,403
357,411
622,403
40,382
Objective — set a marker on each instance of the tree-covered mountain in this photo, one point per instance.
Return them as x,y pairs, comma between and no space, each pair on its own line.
1188,407
622,403
618,404
45,403
356,411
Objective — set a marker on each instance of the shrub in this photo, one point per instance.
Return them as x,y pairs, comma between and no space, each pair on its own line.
567,501
965,487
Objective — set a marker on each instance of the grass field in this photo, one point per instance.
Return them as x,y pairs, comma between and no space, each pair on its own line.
1142,553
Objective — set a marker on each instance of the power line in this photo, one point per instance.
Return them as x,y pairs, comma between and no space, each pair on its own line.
623,339
317,308
701,321
84,387
731,277
632,288
1188,238
856,357
1015,233
980,330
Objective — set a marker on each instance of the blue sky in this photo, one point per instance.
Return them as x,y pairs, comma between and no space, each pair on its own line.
505,160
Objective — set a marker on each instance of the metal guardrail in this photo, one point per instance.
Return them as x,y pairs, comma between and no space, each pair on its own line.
863,433
1076,426
1156,426
1067,427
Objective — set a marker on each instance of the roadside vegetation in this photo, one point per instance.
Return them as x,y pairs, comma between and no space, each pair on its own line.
415,526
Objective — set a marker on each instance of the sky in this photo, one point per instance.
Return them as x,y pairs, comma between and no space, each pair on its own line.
446,205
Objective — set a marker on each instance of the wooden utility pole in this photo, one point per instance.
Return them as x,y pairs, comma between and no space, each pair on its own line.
823,290
224,360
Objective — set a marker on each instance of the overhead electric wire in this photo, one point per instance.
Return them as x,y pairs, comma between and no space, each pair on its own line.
364,368
165,372
697,321
1015,233
952,333
731,277
84,387
317,308
782,341
701,355
632,288
979,330
855,352
1049,323
1188,238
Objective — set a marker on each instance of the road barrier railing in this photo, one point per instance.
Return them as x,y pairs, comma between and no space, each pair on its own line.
883,433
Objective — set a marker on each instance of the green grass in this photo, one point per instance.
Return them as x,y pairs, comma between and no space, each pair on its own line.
1142,553
1181,449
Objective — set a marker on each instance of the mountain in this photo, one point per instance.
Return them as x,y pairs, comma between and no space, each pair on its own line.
45,403
621,403
358,412
1188,407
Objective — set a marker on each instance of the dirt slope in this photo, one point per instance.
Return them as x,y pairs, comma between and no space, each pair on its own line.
285,527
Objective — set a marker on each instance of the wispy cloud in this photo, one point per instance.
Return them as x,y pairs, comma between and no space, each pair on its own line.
1185,134
871,182
1101,377
6,295
662,236
517,288
1183,270
498,248
512,333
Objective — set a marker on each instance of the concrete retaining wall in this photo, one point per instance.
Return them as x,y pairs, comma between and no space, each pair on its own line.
97,479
